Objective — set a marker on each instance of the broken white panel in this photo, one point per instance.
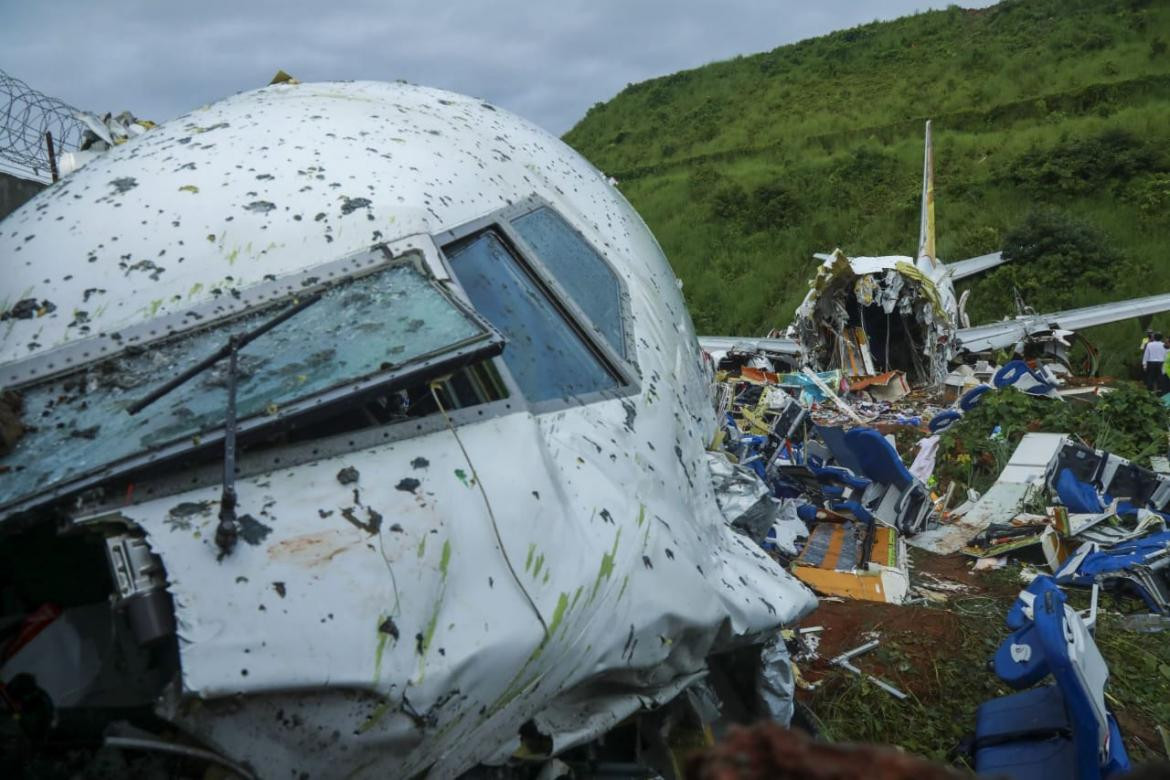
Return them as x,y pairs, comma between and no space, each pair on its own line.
923,466
1024,471
788,527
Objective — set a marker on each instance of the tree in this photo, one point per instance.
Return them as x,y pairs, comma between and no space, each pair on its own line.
1053,255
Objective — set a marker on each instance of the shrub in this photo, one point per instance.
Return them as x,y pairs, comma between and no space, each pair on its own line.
1129,422
1051,253
1083,165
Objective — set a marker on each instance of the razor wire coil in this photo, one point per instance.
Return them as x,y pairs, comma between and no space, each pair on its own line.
27,115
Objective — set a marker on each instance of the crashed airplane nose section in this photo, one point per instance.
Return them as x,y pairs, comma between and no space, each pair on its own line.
438,544
413,643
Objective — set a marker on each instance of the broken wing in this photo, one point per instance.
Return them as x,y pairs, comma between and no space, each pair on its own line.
998,335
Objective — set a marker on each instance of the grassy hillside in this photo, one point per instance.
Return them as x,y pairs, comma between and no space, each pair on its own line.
744,168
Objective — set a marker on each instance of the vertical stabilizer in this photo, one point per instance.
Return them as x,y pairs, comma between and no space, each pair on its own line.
926,225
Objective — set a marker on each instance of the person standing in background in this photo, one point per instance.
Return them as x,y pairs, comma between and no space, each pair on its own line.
1153,358
1164,379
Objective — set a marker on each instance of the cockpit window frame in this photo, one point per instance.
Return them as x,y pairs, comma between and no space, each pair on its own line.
428,250
419,251
624,369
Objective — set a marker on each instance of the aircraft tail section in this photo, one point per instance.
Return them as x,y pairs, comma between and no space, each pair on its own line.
926,225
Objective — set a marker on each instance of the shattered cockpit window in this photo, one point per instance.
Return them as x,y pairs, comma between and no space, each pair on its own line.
578,268
391,323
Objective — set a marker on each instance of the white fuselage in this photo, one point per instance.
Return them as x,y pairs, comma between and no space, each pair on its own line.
603,505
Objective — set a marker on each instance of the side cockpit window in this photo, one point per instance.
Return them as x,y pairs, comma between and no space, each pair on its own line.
579,269
546,357
560,306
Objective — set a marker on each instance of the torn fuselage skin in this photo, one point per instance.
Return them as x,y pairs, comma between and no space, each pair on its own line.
868,315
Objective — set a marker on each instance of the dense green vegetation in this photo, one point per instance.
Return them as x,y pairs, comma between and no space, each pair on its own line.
1056,111
1128,422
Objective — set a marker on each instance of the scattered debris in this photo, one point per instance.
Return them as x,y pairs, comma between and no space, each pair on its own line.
844,660
1023,474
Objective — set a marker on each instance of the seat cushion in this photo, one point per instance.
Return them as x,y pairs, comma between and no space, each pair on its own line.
1042,759
1028,715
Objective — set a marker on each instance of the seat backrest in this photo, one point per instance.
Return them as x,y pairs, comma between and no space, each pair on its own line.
970,398
1133,482
1080,674
943,420
1077,496
1085,463
834,439
879,460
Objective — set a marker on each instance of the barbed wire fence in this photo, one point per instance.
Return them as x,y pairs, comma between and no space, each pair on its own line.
26,115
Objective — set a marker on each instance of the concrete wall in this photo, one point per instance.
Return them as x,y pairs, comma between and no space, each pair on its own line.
14,192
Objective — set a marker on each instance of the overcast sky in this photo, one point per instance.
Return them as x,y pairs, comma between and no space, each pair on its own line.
548,61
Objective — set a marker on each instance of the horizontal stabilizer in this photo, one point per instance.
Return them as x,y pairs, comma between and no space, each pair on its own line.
961,269
999,335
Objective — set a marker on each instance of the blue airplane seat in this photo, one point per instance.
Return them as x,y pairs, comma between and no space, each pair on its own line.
1117,558
807,512
1028,759
1037,713
1025,379
1020,613
943,420
1009,373
905,502
1077,496
828,475
1062,729
879,460
854,509
973,396
1019,660
843,454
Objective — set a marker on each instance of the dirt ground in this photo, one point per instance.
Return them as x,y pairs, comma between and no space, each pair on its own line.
938,654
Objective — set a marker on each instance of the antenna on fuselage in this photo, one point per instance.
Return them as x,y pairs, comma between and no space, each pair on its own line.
926,223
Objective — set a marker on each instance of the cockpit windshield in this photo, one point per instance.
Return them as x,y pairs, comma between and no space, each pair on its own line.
392,324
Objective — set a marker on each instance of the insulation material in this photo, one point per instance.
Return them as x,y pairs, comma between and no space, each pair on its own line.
889,386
